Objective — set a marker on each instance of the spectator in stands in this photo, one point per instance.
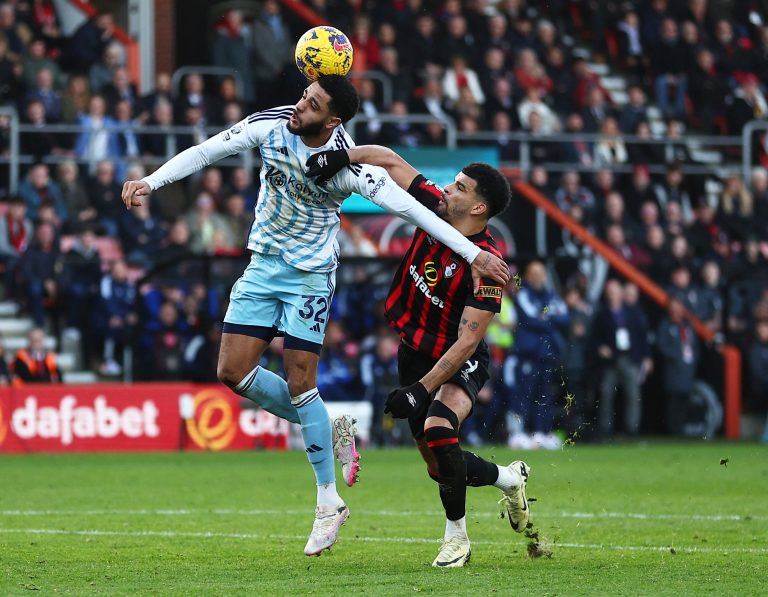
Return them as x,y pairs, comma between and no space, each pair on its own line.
378,374
424,48
745,104
38,188
101,73
635,111
76,98
79,281
584,81
573,193
679,350
596,110
16,33
459,41
238,220
674,189
529,73
194,118
41,142
616,238
542,320
232,48
367,46
201,355
501,124
639,190
203,223
614,214
166,337
76,201
116,315
492,70
620,344
337,376
241,183
35,364
228,109
676,150
162,143
668,67
730,55
128,139
176,246
44,91
160,93
120,89
610,150
658,253
707,91
35,60
735,210
10,73
104,196
211,182
711,297
645,153
631,53
398,76
16,232
682,289
576,150
37,271
272,51
370,109
87,44
400,132
354,242
98,141
193,95
533,102
141,234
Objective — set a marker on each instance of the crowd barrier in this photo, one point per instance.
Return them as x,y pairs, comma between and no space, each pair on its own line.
146,417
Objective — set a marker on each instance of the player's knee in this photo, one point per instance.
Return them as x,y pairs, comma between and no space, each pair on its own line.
228,375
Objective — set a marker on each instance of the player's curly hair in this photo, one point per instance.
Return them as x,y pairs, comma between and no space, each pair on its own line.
345,102
492,186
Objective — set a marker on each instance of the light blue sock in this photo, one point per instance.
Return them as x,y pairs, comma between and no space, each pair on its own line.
269,391
317,434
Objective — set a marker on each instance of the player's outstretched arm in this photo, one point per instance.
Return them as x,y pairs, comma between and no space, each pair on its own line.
246,134
374,184
326,164
403,402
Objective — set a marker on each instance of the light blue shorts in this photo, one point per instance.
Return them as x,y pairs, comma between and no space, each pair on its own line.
271,294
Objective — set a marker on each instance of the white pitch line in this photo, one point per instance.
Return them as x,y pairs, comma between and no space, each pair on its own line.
395,513
418,540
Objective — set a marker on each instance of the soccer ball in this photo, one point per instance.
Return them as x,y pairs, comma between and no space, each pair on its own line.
323,51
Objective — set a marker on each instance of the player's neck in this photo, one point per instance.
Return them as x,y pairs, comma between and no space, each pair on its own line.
468,226
317,140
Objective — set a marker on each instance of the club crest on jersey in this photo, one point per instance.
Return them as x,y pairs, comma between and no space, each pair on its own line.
450,269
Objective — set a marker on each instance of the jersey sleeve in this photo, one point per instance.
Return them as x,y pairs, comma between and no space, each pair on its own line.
373,183
246,134
426,192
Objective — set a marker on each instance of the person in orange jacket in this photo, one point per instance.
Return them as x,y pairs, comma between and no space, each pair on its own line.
34,364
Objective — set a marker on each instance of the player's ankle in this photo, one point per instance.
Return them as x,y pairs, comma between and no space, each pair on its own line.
328,496
507,478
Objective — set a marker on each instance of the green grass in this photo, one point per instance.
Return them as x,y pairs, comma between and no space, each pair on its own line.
664,519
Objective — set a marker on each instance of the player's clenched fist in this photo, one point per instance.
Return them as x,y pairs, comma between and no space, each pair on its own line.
133,190
404,402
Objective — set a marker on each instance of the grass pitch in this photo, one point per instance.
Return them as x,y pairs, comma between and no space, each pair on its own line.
658,519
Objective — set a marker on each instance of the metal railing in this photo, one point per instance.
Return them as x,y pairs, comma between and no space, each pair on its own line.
742,145
386,85
746,142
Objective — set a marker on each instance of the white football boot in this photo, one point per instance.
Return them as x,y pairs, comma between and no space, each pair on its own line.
514,500
328,521
344,448
454,553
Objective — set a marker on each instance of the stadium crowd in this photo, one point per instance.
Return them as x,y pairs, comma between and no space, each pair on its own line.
71,254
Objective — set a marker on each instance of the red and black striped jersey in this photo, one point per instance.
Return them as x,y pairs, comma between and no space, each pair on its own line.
433,285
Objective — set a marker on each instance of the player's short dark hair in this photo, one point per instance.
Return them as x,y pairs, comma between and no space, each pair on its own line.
345,102
492,186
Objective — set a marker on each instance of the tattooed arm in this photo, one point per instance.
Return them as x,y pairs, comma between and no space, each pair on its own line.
472,328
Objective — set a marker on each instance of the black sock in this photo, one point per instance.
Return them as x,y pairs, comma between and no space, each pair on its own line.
444,443
480,472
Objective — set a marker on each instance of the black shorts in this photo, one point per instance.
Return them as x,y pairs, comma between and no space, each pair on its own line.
413,365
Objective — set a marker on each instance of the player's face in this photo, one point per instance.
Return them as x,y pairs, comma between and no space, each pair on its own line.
311,114
459,198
